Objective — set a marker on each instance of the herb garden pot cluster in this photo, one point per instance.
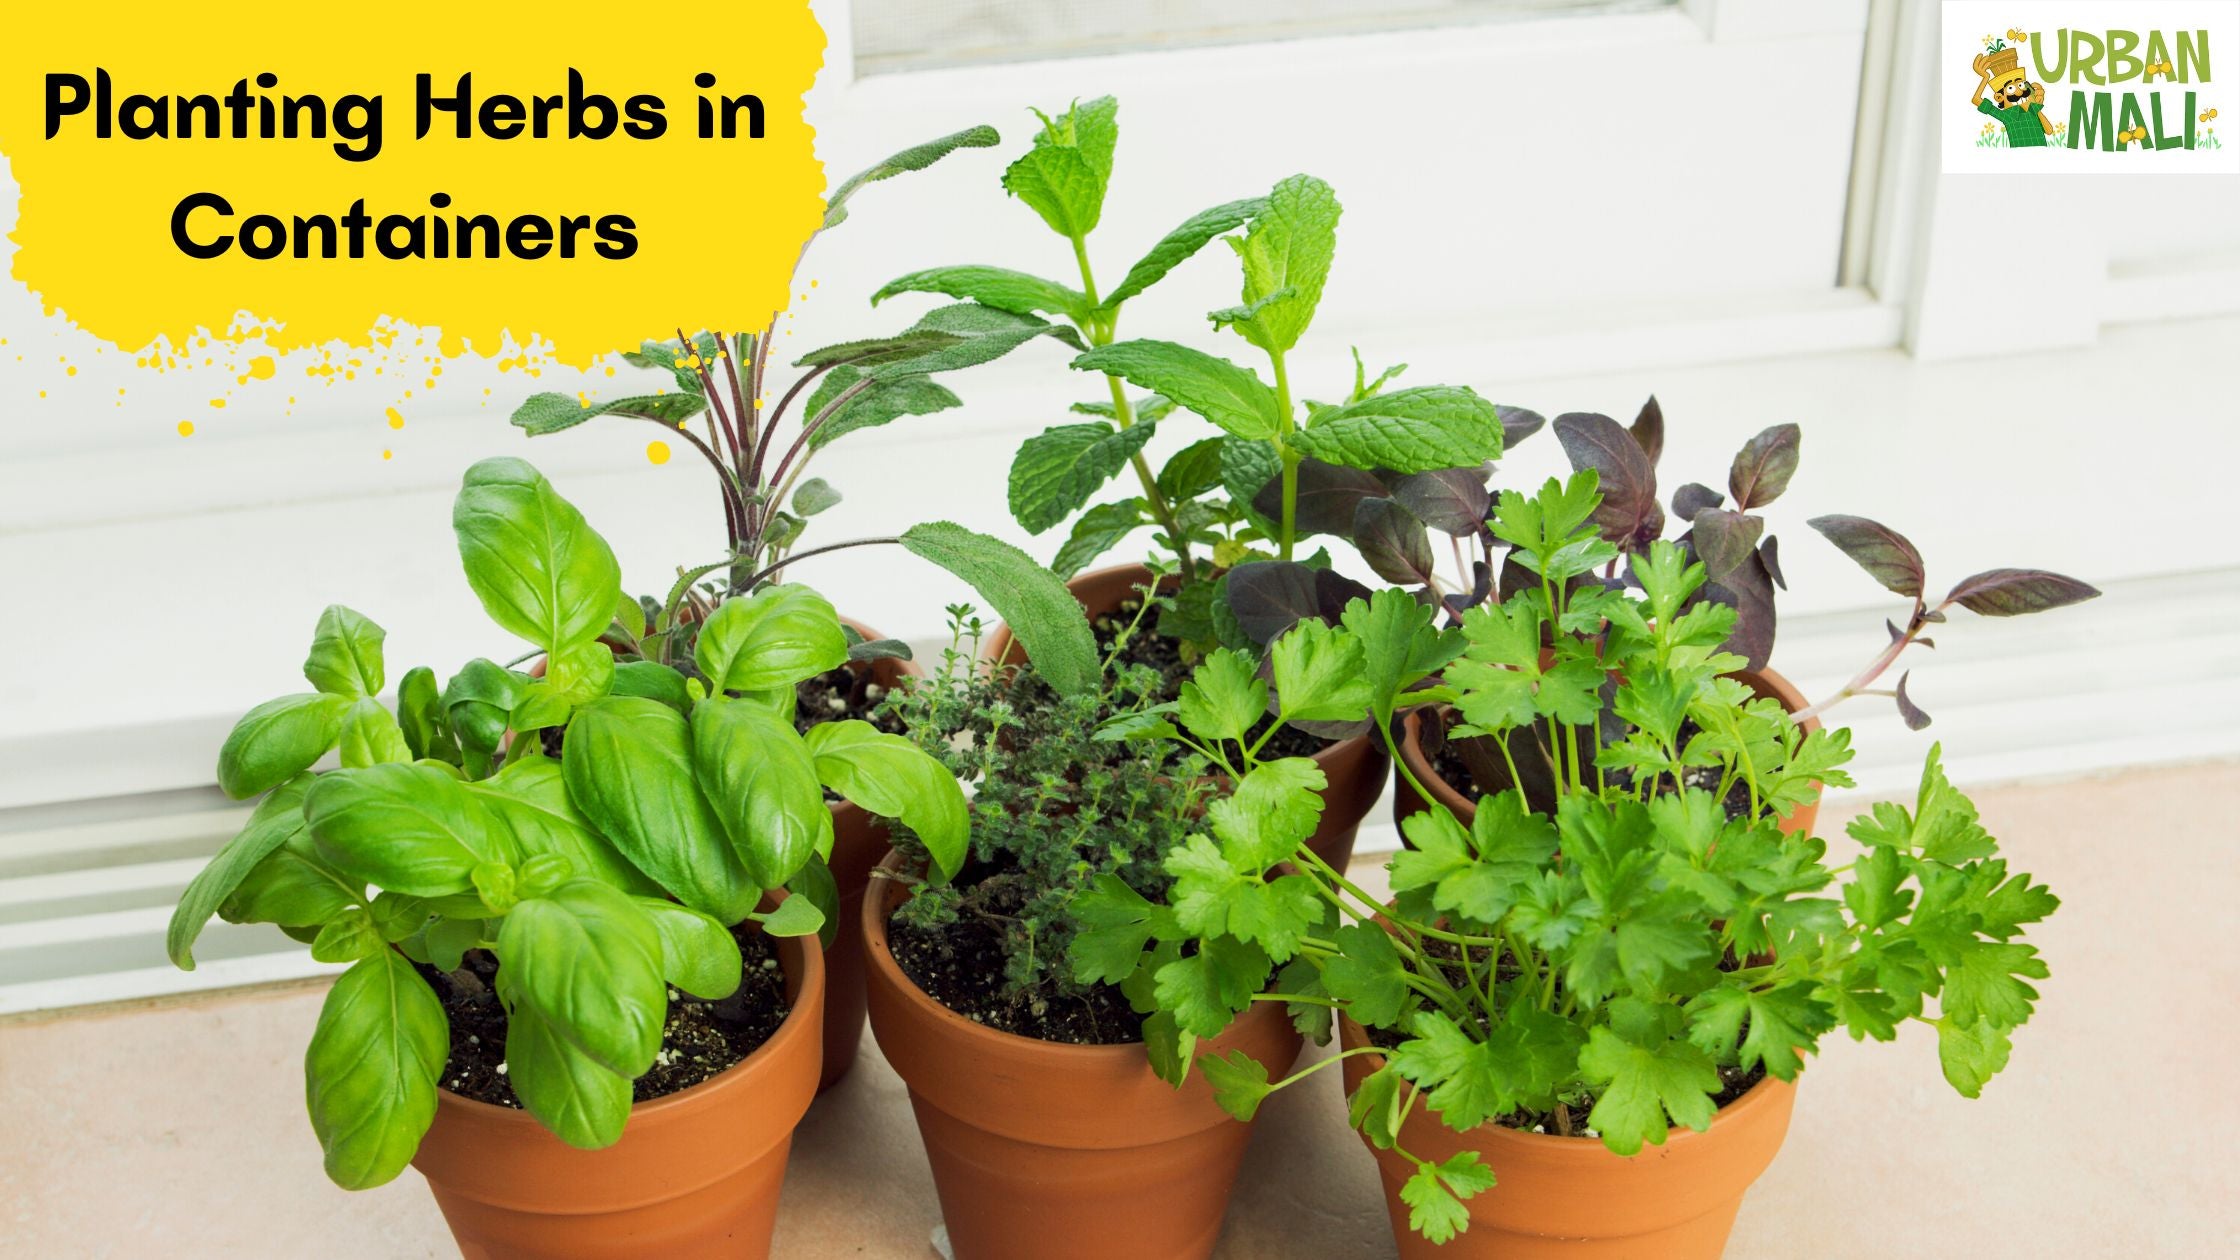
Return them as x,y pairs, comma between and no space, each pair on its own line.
611,923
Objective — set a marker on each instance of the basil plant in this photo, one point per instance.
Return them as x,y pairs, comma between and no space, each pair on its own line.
599,879
1623,957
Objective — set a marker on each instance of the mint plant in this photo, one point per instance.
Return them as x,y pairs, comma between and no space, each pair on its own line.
1210,495
725,380
597,881
1622,960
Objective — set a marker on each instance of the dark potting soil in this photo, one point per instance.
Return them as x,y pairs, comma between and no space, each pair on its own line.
960,965
1570,1120
700,1040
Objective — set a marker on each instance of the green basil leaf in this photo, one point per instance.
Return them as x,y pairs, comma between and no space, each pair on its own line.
654,681
814,881
276,818
894,778
757,773
370,736
293,887
348,937
540,570
529,797
773,638
588,960
795,916
573,676
370,1073
698,955
584,1104
408,828
420,716
278,740
629,769
345,655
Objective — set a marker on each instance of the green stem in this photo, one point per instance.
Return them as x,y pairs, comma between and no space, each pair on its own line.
1100,333
1290,458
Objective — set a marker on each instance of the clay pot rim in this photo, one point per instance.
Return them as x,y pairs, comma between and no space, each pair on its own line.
706,1094
1580,1150
1061,1055
1418,763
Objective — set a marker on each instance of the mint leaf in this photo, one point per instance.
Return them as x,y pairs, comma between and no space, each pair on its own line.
1058,469
1063,176
999,287
1096,532
1637,1088
1407,430
1287,251
1180,244
1232,397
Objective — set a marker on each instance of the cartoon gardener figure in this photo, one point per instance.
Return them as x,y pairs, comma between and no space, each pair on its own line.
2018,104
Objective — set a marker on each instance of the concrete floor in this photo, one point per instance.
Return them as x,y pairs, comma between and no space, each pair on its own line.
179,1131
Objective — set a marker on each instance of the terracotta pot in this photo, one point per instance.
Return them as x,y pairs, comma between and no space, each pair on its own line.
1354,768
859,840
696,1173
1406,802
1560,1198
1041,1149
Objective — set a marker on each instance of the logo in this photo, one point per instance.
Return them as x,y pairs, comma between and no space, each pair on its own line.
2090,87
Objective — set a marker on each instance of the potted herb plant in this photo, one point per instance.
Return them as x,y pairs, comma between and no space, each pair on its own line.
570,976
1041,1090
729,385
1230,497
1642,961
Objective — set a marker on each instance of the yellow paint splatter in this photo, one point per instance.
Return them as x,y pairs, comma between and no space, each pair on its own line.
396,421
263,367
219,403
186,428
658,452
388,454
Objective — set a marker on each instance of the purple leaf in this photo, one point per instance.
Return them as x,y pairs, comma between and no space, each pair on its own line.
1724,540
1270,596
1882,551
1762,469
1481,585
1327,497
1749,591
1450,500
2013,592
1393,541
1648,430
1907,709
1332,592
1629,514
1769,554
1693,498
1517,424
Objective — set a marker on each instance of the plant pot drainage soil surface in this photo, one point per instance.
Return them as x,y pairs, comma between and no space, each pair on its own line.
1165,655
700,1041
960,965
1734,1081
